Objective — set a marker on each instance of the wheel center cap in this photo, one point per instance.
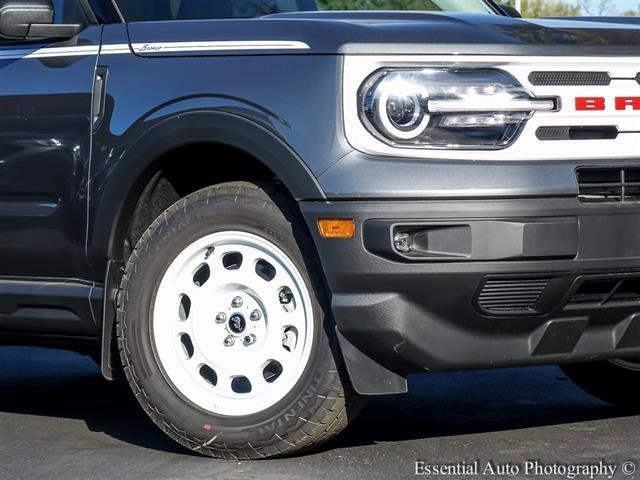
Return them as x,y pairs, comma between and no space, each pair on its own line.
237,323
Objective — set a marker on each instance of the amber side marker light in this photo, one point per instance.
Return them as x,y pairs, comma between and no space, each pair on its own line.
337,228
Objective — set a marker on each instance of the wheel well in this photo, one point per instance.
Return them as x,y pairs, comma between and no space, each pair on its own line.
179,173
172,176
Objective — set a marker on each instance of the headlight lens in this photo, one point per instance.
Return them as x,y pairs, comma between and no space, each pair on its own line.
447,108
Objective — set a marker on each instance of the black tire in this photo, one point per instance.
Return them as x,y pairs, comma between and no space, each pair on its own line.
322,402
610,381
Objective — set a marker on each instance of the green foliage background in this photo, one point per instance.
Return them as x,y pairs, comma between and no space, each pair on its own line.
530,8
545,8
377,4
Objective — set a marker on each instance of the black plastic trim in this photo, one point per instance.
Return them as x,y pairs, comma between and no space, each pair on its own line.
409,317
472,240
99,96
367,376
48,307
113,276
184,129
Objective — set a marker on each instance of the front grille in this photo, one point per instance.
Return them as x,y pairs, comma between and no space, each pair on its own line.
511,296
564,79
613,185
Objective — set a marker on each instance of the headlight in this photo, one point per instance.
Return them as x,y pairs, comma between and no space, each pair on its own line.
447,108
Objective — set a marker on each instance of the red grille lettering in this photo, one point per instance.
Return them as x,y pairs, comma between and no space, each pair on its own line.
590,103
628,103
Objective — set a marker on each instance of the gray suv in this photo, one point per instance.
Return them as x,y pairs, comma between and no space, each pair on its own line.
259,212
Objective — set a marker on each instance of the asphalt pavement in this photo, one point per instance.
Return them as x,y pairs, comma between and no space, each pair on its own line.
60,420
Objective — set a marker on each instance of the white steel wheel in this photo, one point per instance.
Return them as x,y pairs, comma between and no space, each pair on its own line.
232,323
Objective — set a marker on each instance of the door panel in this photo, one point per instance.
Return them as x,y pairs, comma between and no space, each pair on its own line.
45,147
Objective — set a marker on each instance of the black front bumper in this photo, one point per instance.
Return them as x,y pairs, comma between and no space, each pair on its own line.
506,283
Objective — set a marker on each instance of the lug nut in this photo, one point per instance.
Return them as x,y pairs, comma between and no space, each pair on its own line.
285,297
236,302
249,340
221,318
229,341
255,315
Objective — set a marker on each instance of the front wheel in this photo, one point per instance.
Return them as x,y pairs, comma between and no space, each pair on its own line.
223,332
611,381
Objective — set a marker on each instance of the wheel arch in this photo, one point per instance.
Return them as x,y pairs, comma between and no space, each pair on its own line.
140,163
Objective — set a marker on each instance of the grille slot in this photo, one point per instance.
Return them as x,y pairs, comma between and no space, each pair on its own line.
593,291
612,185
606,291
560,79
603,132
515,296
627,291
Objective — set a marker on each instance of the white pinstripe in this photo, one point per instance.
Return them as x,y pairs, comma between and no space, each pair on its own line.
163,47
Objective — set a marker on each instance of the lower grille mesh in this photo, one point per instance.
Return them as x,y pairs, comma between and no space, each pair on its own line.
609,184
518,296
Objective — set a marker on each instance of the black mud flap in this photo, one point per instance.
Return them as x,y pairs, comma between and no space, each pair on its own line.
367,376
112,280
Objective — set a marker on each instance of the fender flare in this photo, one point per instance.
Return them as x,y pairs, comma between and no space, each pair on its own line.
204,126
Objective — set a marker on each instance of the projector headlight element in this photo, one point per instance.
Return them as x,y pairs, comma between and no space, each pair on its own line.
447,108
